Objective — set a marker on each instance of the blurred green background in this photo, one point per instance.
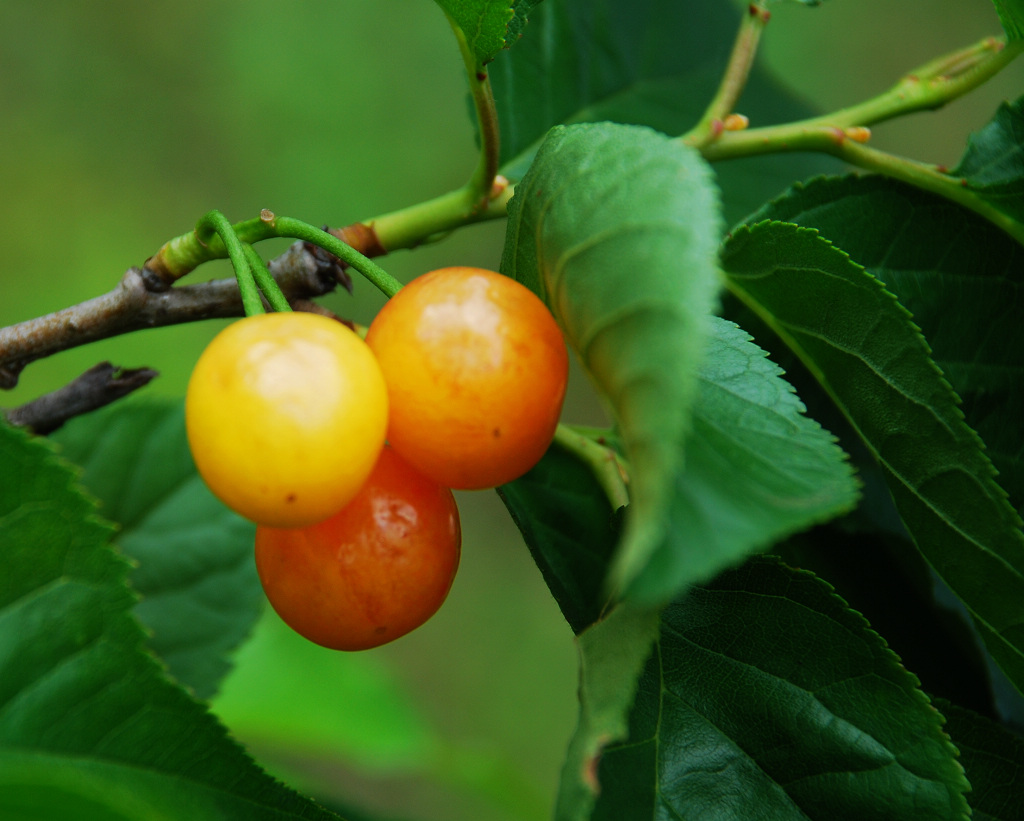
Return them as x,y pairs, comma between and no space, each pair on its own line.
120,124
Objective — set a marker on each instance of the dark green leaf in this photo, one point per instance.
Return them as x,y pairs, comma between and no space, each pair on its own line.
960,277
993,758
867,354
76,686
993,165
616,228
520,17
570,529
194,565
885,578
1011,14
767,697
646,62
484,23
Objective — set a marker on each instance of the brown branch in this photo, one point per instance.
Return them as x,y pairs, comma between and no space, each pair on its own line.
98,386
134,306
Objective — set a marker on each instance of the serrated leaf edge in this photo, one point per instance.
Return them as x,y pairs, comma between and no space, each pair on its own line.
989,473
136,643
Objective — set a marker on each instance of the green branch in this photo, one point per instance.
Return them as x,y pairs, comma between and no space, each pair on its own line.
182,255
720,135
713,122
215,238
485,195
486,119
928,87
435,218
843,133
845,145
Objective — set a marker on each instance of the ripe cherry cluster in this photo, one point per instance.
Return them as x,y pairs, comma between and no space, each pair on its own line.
345,452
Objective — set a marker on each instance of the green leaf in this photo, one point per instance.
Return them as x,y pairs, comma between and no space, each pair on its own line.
994,760
961,278
756,469
87,717
616,228
993,164
193,557
867,354
1011,15
612,654
767,697
40,787
520,17
647,62
486,23
958,275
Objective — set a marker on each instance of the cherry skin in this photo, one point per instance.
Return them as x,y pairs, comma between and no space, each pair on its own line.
286,415
476,369
377,569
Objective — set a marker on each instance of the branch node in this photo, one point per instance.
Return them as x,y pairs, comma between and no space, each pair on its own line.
735,122
362,237
760,12
858,133
155,275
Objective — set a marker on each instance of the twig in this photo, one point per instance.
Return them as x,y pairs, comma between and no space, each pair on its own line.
98,386
846,145
734,80
843,133
927,87
132,306
485,195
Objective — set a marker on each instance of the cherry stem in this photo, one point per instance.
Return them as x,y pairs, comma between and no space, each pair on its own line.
214,222
297,229
264,280
608,467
